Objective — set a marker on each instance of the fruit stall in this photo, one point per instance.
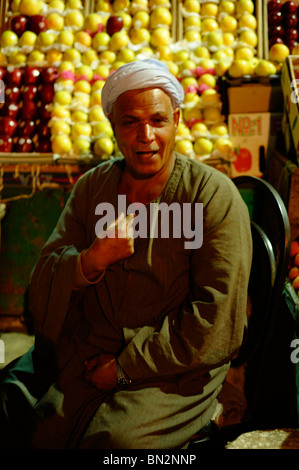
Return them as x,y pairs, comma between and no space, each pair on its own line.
236,60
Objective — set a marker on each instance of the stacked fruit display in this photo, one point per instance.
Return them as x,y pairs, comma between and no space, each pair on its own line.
283,26
293,273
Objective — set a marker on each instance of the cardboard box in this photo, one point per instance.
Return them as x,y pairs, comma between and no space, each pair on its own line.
254,97
253,136
290,70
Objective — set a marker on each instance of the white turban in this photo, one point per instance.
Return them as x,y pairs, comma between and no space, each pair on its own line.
148,73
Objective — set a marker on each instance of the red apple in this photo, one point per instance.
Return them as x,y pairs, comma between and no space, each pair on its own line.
8,126
24,144
37,24
43,111
6,143
290,20
243,160
291,44
12,95
274,18
274,5
29,110
43,146
43,129
14,77
290,35
31,75
30,92
18,24
288,7
114,24
11,109
276,31
275,40
47,93
48,75
27,128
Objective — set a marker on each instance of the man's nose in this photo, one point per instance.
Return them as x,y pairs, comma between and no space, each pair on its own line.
145,132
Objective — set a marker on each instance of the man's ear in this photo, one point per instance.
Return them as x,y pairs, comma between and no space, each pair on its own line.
176,117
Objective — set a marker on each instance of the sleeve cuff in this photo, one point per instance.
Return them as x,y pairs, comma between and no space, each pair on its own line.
80,280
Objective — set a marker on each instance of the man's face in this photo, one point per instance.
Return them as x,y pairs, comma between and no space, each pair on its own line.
145,125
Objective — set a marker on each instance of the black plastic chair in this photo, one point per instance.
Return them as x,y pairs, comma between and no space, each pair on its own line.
271,244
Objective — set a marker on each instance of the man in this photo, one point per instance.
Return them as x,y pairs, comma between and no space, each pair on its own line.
134,335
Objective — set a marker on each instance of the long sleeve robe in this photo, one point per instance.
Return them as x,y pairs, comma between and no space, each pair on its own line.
173,316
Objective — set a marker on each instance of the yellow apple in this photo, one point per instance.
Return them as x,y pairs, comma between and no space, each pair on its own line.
186,66
183,130
193,113
79,116
17,58
60,112
228,24
60,127
244,52
103,147
8,39
208,64
203,146
193,22
53,56
184,146
36,56
104,6
72,55
107,57
278,52
249,37
66,37
191,98
61,144
100,41
141,19
227,6
138,36
212,114
74,4
214,39
102,129
160,16
56,5
209,9
102,70
97,85
92,22
28,38
81,101
207,79
74,19
31,7
90,57
220,130
62,97
265,68
223,145
66,66
219,55
160,37
46,39
127,19
191,6
81,129
81,146
85,72
96,114
55,21
119,40
247,20
192,36
239,68
244,6
202,52
126,55
209,24
228,39
83,38
82,86
96,99
199,129
210,97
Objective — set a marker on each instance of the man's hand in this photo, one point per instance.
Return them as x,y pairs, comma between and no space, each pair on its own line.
113,245
101,371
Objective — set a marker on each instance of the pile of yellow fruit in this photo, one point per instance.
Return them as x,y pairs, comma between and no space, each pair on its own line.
212,39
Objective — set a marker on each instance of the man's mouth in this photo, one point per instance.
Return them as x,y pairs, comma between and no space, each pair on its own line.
146,154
